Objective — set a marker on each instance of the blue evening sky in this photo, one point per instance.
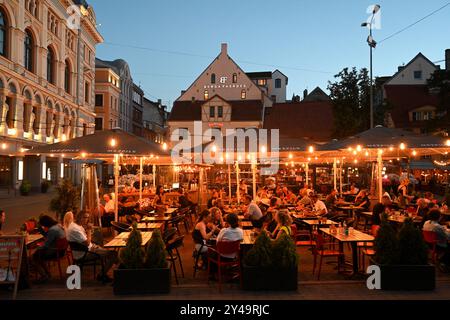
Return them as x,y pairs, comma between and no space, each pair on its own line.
309,41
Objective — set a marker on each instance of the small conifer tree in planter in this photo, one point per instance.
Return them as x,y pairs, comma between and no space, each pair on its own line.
141,273
271,265
403,258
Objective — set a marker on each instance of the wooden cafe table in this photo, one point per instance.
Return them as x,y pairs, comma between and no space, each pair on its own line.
150,225
120,240
353,238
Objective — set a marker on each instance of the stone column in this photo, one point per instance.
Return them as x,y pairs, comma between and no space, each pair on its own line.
3,112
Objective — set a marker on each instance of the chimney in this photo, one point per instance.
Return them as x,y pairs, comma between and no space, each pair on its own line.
224,49
447,59
305,94
400,68
159,102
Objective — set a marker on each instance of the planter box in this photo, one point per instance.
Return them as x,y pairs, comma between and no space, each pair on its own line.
257,278
404,277
142,281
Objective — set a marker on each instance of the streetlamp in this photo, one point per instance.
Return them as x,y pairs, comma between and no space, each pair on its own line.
372,44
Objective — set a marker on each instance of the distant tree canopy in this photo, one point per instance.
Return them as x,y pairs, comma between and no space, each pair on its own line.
439,84
351,102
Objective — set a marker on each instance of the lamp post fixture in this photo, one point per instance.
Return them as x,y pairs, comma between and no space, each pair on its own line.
372,44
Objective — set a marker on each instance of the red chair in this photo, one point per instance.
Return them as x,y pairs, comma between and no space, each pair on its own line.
366,248
322,249
61,252
296,235
215,256
432,240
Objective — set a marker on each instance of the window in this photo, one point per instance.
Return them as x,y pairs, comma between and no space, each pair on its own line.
98,124
212,112
234,78
3,33
278,83
50,66
427,115
206,95
67,77
243,94
262,82
418,75
28,51
220,111
99,100
87,91
416,116
213,78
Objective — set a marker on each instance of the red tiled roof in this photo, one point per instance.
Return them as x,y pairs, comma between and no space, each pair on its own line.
405,98
312,120
242,110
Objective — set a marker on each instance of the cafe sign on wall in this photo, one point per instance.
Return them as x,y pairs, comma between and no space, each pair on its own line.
223,84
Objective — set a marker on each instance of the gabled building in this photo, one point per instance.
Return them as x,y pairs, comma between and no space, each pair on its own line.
155,117
273,83
222,97
412,104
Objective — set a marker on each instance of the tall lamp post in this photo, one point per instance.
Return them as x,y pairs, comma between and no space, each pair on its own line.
372,44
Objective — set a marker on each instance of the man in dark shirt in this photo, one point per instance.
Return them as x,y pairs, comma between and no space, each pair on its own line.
214,197
379,209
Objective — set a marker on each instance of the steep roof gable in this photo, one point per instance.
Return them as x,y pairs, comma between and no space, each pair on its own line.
418,56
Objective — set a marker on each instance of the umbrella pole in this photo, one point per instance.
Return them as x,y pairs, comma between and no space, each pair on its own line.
254,179
340,176
237,181
116,187
154,176
229,182
380,177
140,181
307,175
335,173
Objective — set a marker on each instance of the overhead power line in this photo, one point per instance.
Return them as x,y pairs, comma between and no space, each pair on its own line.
211,57
414,23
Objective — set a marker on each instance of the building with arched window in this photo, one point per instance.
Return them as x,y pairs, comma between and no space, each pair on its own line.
43,66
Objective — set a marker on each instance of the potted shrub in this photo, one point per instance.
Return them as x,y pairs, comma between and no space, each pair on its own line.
44,186
139,272
403,258
271,265
25,188
67,199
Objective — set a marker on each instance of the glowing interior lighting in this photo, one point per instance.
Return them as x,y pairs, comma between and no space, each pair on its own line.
4,146
164,146
414,153
291,156
367,153
214,148
64,137
44,170
448,143
402,146
311,149
263,149
391,149
20,170
358,148
113,142
83,154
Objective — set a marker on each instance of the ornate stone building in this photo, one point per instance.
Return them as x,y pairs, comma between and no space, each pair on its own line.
47,81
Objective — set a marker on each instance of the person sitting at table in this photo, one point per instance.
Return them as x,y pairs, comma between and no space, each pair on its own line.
270,223
2,219
75,232
284,222
217,219
353,190
203,231
158,199
331,200
53,231
380,208
305,202
443,236
230,234
253,212
212,200
263,193
320,209
274,204
289,196
362,201
403,190
422,210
